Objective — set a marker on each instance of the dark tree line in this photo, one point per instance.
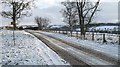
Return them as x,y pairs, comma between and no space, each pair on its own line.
81,12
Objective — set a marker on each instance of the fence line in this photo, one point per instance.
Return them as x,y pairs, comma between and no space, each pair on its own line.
94,36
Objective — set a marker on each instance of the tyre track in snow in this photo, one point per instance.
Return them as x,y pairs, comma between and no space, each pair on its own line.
71,54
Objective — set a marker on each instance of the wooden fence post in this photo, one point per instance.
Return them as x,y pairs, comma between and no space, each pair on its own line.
71,33
62,32
104,40
119,39
93,36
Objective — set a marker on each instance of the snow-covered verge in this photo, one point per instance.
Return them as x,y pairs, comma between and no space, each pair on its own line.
109,49
28,50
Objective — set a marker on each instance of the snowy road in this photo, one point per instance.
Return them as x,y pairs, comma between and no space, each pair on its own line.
65,55
81,56
109,52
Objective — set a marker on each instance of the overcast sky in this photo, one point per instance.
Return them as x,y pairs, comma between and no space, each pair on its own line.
51,9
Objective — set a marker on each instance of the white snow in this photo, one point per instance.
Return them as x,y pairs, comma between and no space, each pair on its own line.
98,37
56,26
28,50
109,28
109,49
80,55
78,29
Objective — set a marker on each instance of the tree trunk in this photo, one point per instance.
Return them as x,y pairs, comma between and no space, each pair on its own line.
39,27
14,16
71,30
14,24
81,19
81,23
70,33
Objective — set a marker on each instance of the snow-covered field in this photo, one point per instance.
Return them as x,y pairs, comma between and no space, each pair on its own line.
108,49
28,50
98,37
108,28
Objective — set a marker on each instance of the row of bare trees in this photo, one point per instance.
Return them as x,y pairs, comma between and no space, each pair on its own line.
18,9
79,12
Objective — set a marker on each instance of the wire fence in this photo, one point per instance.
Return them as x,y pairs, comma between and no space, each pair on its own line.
99,37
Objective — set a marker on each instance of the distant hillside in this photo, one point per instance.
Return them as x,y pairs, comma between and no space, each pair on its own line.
104,24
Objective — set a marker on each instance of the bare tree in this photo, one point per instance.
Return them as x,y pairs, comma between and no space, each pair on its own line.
38,20
69,14
86,11
42,22
119,22
45,23
17,9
